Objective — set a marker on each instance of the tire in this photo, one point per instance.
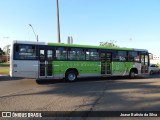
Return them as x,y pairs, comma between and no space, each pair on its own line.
71,76
151,72
132,74
38,81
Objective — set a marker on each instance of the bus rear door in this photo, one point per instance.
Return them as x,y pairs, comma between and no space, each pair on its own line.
106,58
45,62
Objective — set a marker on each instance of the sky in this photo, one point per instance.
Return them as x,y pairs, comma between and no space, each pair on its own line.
131,23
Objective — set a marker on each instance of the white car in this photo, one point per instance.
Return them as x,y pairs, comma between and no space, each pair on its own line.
154,69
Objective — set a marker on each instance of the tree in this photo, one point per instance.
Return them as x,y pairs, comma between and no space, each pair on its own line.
1,52
111,43
6,49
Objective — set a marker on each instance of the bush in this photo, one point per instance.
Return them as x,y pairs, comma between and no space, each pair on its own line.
5,64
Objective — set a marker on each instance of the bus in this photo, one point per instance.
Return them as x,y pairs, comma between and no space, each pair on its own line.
42,60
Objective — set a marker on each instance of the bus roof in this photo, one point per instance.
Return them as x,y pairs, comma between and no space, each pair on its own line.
77,45
28,42
97,47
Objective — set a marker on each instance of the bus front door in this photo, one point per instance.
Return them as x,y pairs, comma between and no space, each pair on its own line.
106,58
144,63
45,63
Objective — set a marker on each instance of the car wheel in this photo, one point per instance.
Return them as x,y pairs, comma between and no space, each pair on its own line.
151,72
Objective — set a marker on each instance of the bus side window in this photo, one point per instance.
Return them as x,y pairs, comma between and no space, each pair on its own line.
115,56
42,55
80,54
76,54
133,56
49,55
61,53
122,55
25,52
92,54
72,54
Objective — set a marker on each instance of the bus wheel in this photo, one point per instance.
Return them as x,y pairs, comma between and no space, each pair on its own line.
132,74
71,76
38,81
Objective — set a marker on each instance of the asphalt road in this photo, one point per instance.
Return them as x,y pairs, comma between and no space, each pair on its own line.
90,94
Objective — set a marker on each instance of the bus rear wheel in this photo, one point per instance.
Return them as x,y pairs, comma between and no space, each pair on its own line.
71,76
132,74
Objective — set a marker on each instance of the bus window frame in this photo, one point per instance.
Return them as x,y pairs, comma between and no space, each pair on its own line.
133,58
69,48
17,44
88,49
85,49
115,52
55,55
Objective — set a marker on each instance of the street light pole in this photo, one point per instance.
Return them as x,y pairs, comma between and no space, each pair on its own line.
58,23
36,36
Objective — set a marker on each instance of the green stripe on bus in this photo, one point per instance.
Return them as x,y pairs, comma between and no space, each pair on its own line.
88,46
60,67
87,67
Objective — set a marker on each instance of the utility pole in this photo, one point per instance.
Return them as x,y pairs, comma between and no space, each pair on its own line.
58,23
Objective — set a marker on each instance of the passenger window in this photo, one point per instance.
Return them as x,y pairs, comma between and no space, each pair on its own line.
25,52
42,55
49,55
61,53
120,56
133,56
76,54
92,54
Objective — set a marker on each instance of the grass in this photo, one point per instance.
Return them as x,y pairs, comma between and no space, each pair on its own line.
4,64
4,70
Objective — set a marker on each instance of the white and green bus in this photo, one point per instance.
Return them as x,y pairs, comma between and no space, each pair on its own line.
53,60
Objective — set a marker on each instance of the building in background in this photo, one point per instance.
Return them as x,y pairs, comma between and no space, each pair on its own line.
155,59
4,58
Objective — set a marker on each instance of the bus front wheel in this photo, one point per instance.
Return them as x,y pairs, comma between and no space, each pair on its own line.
71,76
132,74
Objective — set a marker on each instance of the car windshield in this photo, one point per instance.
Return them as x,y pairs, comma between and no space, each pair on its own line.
154,65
